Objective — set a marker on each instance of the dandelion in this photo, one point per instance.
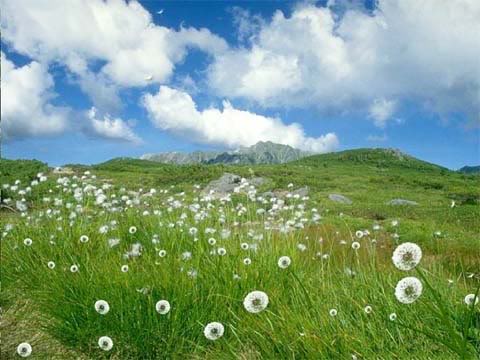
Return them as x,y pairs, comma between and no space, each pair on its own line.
212,241
102,307
284,262
124,268
247,261
301,247
355,245
162,253
105,343
132,229
24,349
255,301
406,256
113,242
470,299
408,290
359,234
221,251
27,242
392,317
214,331
51,265
84,239
333,312
74,268
162,307
368,309
244,246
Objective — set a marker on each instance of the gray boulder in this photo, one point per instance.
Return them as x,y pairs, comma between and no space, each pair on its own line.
401,202
227,183
340,199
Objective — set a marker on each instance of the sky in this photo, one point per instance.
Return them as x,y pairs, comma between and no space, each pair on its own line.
84,81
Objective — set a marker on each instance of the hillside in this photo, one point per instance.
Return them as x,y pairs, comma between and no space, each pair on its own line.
470,170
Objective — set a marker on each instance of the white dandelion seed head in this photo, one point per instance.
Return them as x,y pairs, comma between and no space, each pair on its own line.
392,317
162,307
84,239
333,312
162,253
132,229
24,349
27,242
74,268
214,331
408,290
470,299
221,251
359,234
247,261
124,268
406,256
355,245
102,307
51,265
212,241
284,262
255,301
368,309
105,343
244,246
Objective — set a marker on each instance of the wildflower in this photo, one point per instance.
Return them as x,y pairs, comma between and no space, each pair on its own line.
102,307
244,246
284,262
368,309
105,343
406,256
28,242
162,307
124,268
255,302
113,242
333,312
186,255
355,245
214,331
74,268
83,238
162,253
359,234
24,349
221,251
51,265
132,229
470,299
393,317
301,247
212,241
408,290
247,261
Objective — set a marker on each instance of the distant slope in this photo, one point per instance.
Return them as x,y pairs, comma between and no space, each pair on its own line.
260,153
379,158
23,170
470,170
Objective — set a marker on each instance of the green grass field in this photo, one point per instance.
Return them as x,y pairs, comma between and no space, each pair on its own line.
54,309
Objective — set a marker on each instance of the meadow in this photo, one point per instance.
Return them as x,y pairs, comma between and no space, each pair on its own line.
131,259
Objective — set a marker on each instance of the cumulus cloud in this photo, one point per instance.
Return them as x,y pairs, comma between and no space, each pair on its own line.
110,128
116,40
405,50
381,110
175,111
26,93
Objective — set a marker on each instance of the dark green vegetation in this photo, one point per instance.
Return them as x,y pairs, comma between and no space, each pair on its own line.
470,170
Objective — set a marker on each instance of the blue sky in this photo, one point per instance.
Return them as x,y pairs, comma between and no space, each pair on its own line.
345,74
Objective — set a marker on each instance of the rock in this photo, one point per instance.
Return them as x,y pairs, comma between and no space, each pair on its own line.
303,191
401,202
340,199
227,183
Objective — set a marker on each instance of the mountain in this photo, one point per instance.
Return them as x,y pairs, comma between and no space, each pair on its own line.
261,153
470,170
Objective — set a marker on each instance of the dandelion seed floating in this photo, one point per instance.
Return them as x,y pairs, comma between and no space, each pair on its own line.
214,331
102,307
105,343
162,307
406,256
408,290
24,349
255,301
284,262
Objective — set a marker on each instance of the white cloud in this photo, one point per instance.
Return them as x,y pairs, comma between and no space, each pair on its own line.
119,37
381,110
26,110
113,129
406,50
176,112
377,138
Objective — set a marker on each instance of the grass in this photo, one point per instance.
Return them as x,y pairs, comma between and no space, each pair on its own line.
54,309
